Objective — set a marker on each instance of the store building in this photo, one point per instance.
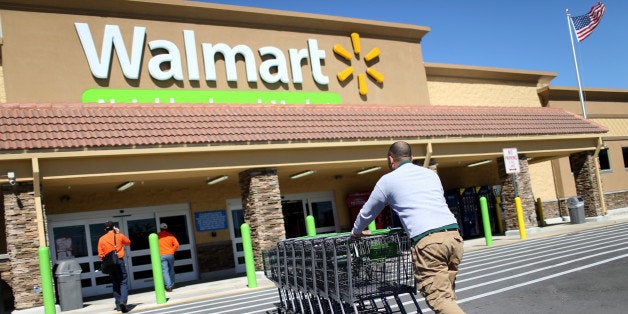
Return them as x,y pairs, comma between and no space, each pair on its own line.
206,116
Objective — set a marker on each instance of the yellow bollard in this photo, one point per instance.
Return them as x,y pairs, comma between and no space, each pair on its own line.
522,226
498,214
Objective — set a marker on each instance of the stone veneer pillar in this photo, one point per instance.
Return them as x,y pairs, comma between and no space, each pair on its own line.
524,189
261,205
583,166
22,245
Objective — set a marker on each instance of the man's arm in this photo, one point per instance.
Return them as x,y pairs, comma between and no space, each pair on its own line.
369,211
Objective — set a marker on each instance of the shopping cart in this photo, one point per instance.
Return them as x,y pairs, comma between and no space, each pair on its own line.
331,273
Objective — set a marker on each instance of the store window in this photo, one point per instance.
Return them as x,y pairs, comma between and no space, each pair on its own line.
624,151
605,163
70,242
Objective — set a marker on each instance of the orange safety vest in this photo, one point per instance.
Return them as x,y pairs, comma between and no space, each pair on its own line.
105,244
168,244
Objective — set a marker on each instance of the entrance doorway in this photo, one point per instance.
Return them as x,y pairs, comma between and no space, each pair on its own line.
295,208
320,205
76,236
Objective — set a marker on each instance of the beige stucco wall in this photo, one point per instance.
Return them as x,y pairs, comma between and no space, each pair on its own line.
542,177
447,91
44,50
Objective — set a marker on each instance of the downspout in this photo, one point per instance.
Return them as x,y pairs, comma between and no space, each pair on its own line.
38,207
597,175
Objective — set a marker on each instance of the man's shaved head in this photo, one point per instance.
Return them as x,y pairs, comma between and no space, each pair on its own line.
400,151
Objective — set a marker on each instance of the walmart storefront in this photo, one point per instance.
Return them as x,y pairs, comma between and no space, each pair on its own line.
206,116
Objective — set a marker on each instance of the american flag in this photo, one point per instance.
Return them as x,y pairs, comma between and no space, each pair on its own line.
585,24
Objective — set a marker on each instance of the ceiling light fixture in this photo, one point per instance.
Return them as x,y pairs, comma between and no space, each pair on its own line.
217,179
302,174
367,170
126,186
479,163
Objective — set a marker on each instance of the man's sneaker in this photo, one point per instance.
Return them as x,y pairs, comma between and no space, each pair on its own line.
123,308
169,289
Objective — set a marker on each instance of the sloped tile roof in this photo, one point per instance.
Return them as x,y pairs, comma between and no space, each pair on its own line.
72,126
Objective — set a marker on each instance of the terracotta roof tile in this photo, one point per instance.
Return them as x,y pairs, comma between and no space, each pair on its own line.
63,126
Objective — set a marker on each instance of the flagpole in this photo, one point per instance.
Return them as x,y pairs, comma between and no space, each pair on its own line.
575,62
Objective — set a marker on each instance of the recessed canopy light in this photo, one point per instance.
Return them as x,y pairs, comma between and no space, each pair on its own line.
367,170
479,163
126,186
302,174
217,179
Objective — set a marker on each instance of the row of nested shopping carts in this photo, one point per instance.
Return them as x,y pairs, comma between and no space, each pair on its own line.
334,272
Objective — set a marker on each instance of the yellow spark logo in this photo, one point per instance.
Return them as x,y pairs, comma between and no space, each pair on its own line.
344,74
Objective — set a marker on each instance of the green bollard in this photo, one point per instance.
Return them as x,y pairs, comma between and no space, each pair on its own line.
158,275
372,226
46,280
486,221
310,225
249,262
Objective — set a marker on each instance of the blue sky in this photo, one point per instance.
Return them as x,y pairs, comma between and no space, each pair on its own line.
525,35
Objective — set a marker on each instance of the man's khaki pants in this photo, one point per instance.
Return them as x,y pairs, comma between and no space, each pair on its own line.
436,259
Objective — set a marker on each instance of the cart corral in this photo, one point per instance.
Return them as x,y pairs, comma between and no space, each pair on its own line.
336,273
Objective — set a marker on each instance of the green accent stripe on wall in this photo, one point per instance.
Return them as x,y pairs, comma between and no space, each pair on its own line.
108,95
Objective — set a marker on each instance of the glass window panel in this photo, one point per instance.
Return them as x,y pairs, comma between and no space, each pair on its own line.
84,267
323,213
178,226
95,232
605,163
238,220
183,269
144,274
104,280
70,242
86,283
139,230
624,151
182,254
140,260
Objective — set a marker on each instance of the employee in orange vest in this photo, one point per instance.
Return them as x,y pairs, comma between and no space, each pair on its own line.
118,275
168,244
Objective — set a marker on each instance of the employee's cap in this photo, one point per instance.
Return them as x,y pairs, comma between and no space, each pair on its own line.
163,226
109,225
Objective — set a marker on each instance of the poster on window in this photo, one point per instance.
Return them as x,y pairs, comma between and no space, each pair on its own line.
64,248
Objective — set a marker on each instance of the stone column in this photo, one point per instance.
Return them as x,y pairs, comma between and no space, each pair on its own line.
583,167
22,245
261,205
524,189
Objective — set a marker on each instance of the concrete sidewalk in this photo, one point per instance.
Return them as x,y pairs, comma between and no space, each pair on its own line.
188,292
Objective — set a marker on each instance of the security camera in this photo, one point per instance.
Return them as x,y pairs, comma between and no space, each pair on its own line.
11,176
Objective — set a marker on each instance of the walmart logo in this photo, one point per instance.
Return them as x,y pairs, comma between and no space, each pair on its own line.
181,64
368,58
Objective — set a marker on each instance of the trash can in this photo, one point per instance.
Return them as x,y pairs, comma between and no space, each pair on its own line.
575,204
68,275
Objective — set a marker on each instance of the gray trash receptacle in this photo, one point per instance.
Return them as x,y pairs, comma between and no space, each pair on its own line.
575,204
68,275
